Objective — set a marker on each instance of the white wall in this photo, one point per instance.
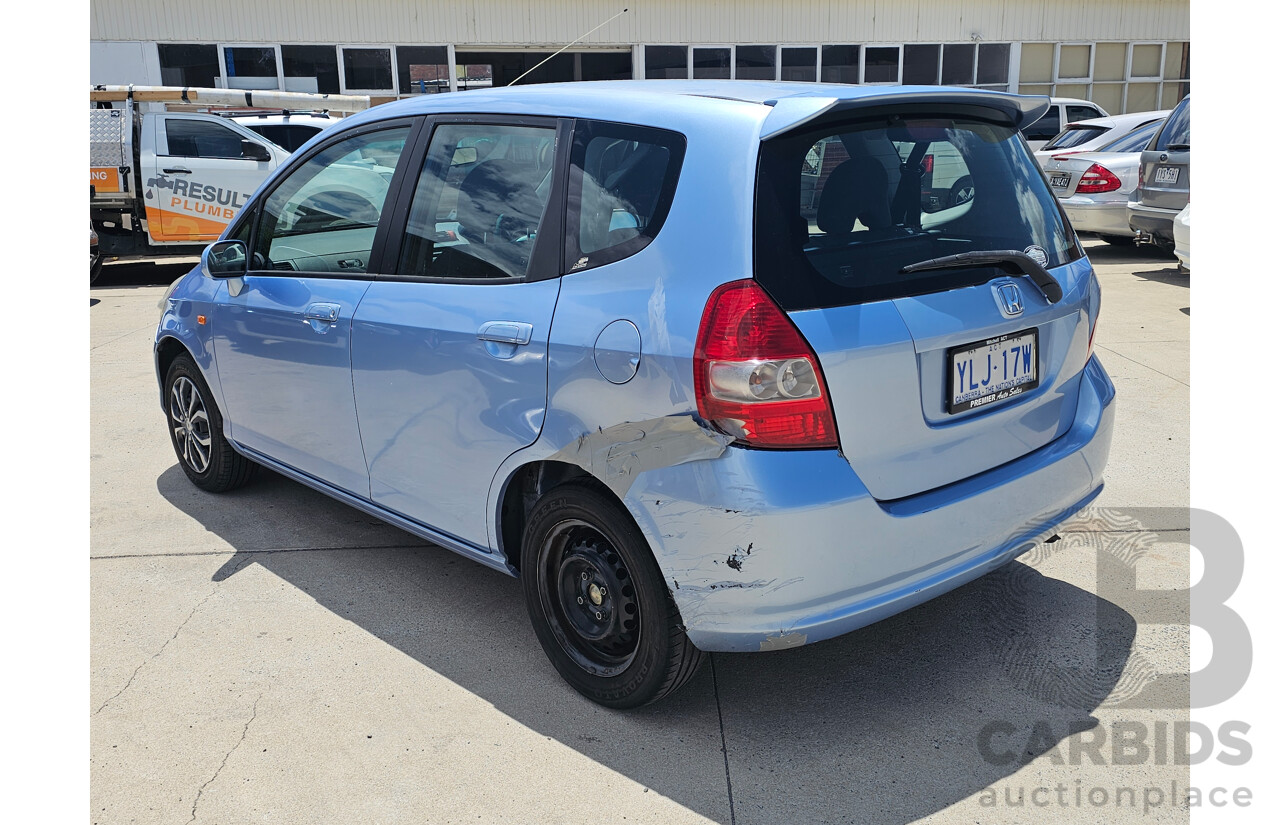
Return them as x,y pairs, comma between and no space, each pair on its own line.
123,62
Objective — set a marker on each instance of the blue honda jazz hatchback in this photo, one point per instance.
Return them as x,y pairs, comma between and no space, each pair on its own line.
710,366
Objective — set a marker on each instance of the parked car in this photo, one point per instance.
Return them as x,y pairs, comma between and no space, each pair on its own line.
1092,135
1061,111
288,130
1164,180
1182,237
691,409
1094,187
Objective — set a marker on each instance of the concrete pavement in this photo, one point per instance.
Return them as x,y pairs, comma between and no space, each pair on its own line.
273,656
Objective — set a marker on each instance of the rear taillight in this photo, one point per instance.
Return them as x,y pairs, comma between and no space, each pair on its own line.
756,377
926,165
1097,178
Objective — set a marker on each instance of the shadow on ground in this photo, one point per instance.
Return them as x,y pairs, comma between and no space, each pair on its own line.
880,725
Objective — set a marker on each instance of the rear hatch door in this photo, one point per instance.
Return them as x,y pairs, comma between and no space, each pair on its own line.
939,374
1165,182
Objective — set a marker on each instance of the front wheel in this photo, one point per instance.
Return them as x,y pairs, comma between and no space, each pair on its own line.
961,192
598,602
195,430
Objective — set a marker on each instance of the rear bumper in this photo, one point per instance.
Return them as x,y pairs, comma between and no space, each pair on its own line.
1103,218
766,550
1152,220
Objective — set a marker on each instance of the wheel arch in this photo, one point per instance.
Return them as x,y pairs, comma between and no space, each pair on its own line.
521,491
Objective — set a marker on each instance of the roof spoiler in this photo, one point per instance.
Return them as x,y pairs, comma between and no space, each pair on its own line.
790,113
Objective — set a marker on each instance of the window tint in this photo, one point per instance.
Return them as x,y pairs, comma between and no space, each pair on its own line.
711,64
201,139
842,208
367,68
479,202
287,137
310,69
621,184
1135,141
840,64
1044,128
799,63
1177,129
1074,136
666,61
1078,113
188,64
324,215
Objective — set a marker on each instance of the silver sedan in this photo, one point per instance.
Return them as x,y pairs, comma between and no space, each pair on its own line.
1094,187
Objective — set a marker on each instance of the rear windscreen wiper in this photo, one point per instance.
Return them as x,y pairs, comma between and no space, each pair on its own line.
1179,147
1010,260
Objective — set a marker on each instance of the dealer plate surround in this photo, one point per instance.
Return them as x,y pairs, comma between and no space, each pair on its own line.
993,370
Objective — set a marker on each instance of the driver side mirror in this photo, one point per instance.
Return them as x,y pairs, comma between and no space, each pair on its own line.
225,259
254,151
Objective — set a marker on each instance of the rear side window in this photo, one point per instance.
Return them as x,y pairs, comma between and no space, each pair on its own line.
841,209
622,180
1135,141
1046,127
1074,136
479,202
1177,129
1076,113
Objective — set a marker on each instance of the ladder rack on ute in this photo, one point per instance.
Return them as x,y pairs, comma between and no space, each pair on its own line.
248,98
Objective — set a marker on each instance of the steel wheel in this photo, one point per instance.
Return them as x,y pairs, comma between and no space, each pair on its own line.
589,598
190,423
598,601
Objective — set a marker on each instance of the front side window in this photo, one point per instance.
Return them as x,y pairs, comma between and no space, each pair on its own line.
479,202
842,208
323,216
201,139
622,180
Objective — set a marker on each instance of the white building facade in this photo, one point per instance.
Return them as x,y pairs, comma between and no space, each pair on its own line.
1126,55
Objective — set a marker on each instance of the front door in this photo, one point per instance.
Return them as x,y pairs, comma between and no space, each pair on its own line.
283,343
449,356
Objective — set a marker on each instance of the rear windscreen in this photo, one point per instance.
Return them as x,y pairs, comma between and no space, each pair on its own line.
1074,136
842,208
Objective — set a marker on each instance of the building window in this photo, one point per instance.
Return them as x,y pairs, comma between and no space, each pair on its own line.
840,64
666,62
311,69
756,62
367,69
1119,77
712,64
881,64
189,64
800,63
251,67
993,66
423,69
957,64
1075,62
920,64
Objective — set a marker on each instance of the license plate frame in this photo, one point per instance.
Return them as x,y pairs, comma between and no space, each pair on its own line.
1166,175
1060,181
1012,384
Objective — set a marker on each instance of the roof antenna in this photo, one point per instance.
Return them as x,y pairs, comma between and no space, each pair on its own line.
579,40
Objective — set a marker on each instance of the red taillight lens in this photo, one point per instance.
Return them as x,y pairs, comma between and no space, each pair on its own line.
1097,178
756,377
927,164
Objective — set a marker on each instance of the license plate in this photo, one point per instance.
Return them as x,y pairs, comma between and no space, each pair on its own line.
994,370
1166,174
1059,181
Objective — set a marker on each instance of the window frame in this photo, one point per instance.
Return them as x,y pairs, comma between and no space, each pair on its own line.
222,63
862,63
545,260
342,69
584,131
168,152
253,211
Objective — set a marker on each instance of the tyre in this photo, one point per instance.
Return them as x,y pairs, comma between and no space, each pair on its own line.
95,268
598,602
1118,240
961,191
195,429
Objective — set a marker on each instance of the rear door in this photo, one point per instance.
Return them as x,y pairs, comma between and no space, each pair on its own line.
283,341
449,356
940,374
1165,182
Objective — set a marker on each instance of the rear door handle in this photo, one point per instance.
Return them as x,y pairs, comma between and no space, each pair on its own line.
322,312
177,170
506,332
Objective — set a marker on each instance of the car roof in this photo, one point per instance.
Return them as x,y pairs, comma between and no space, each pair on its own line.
778,105
1113,121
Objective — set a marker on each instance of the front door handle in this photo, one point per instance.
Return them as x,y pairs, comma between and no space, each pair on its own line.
506,332
177,170
322,312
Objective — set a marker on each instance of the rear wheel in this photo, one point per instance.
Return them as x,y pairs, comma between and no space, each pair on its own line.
195,429
598,602
962,191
